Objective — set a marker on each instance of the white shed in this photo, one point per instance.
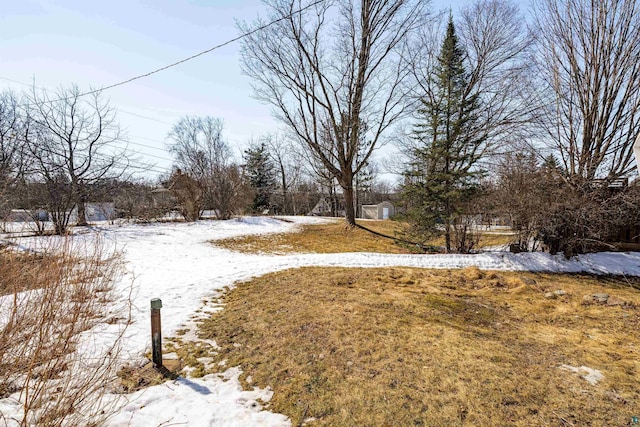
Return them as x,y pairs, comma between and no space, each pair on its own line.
102,211
384,210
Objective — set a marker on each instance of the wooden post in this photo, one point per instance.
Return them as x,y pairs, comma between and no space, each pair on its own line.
156,333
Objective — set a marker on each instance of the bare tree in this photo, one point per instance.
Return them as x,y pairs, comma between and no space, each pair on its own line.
72,145
199,150
187,193
198,146
289,167
330,66
231,193
12,128
588,72
202,153
521,188
498,45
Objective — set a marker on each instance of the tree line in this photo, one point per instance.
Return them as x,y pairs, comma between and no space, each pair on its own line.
61,150
274,176
529,119
486,98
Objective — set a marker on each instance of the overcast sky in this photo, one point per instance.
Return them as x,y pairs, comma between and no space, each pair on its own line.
98,43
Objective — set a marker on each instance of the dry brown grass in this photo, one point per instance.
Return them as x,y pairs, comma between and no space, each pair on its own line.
486,240
132,378
495,239
400,347
336,237
333,237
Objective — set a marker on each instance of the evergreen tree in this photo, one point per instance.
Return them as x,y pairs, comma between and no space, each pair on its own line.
442,176
261,174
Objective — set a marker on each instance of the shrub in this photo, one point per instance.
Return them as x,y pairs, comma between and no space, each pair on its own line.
47,300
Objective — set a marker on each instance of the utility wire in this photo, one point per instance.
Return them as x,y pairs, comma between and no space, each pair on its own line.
182,61
189,58
204,52
143,116
166,67
148,155
125,141
117,109
133,164
139,144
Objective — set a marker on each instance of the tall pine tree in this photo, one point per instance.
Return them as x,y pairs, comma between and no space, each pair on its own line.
442,175
261,175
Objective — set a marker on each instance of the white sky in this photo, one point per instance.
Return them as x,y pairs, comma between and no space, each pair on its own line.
98,43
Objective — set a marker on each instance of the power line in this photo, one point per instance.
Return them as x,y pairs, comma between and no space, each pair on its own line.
127,141
204,52
150,139
189,58
174,64
14,81
149,155
144,145
133,164
142,116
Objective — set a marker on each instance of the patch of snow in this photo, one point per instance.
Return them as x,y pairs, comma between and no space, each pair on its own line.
592,376
213,400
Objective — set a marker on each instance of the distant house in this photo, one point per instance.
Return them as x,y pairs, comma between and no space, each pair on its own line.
103,211
162,197
24,215
383,210
329,206
321,208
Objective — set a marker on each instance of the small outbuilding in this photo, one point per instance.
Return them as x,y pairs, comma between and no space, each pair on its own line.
96,211
25,215
383,210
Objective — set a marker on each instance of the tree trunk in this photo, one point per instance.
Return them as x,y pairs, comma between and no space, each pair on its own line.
82,216
285,208
60,230
356,198
447,235
350,214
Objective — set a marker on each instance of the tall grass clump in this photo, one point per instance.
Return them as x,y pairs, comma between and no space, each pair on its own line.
52,372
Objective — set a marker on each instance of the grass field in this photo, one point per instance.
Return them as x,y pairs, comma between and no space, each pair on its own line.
335,237
401,347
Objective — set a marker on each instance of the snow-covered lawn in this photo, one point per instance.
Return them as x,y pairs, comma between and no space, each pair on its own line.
177,263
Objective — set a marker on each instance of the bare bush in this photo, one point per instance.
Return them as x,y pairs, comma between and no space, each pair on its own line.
521,190
188,195
135,200
465,232
53,374
590,218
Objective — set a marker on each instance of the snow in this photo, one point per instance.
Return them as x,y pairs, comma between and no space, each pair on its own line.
592,376
178,263
212,400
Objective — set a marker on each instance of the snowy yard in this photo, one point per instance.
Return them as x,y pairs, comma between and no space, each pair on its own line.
177,263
